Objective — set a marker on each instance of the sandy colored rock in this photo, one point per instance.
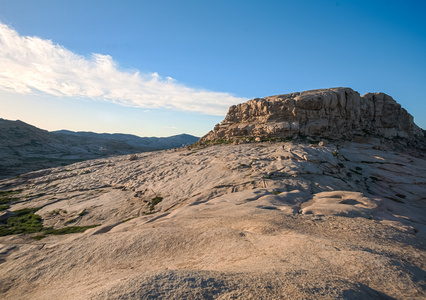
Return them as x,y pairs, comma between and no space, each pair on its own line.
335,113
250,221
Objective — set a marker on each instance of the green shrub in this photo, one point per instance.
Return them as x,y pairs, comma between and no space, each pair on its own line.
6,200
6,197
70,221
25,221
39,237
4,207
126,220
83,212
67,230
26,211
154,202
10,193
222,141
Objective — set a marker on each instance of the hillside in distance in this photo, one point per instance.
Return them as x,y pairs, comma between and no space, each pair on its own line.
25,148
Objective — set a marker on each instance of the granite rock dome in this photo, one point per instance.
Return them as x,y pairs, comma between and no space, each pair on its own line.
334,113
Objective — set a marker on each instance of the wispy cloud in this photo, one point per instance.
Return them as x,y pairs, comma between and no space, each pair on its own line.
30,64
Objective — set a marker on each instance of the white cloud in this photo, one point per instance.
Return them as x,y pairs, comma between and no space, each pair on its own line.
31,64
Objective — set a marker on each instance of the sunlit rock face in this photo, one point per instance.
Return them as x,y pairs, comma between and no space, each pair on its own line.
335,113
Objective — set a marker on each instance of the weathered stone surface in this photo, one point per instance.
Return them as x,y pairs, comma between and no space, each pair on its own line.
333,113
286,220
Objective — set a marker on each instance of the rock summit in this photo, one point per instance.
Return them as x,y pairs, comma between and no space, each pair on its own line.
334,113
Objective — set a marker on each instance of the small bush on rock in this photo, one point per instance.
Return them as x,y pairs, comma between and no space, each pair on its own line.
154,202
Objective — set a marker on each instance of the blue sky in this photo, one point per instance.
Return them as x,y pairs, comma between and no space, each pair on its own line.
159,68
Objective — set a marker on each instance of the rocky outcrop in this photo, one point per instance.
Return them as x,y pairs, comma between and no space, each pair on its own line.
335,113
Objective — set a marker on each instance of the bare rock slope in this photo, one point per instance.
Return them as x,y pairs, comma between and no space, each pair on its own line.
283,220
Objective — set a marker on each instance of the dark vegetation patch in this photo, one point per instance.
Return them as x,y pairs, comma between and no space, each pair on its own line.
244,139
277,139
7,197
83,212
216,142
57,212
9,193
23,221
154,202
70,221
67,230
126,220
26,221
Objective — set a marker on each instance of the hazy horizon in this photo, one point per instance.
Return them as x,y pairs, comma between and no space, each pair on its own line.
88,131
162,68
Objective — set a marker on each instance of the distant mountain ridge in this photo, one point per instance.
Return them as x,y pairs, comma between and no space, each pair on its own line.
25,148
136,141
